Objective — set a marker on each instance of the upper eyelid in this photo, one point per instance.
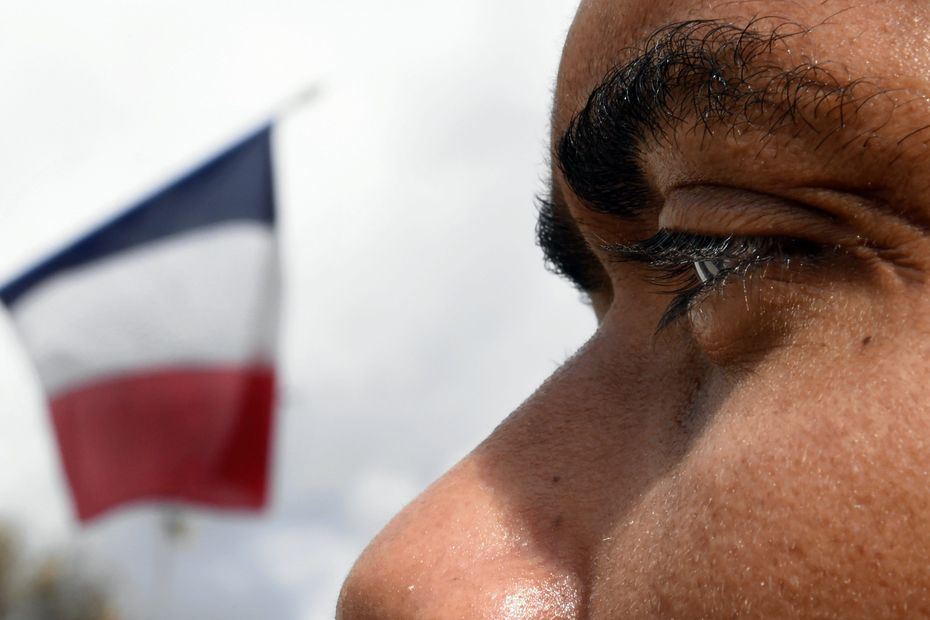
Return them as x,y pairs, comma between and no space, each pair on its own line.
720,210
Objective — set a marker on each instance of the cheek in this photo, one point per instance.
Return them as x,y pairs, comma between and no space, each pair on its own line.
758,317
804,494
734,326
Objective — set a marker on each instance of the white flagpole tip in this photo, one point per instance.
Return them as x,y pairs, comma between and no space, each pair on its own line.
296,102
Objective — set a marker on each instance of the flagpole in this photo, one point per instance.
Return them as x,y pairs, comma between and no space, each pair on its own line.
172,527
296,102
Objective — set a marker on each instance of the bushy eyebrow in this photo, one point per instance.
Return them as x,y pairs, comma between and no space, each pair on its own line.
700,75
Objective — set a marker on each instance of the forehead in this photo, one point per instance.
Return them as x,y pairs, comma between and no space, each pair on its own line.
885,40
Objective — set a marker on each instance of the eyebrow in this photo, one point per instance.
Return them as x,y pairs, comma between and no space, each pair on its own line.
701,75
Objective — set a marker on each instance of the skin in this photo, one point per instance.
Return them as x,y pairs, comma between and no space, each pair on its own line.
766,456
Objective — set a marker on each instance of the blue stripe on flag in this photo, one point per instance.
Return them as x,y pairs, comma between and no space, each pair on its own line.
235,185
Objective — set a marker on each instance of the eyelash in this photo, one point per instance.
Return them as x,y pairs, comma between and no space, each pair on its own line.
673,257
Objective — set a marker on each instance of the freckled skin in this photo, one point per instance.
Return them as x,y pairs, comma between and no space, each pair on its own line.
697,473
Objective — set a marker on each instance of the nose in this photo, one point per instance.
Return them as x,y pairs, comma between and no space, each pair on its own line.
461,550
516,529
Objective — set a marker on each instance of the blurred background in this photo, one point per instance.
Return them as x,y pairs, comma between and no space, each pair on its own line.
417,310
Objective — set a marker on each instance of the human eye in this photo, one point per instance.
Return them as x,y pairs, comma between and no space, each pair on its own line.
693,268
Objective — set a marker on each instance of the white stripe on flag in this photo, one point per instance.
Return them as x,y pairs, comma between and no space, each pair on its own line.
197,299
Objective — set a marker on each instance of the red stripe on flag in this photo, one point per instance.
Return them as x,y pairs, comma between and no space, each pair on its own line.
198,436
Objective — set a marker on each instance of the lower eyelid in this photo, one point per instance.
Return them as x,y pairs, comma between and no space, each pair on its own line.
710,278
694,268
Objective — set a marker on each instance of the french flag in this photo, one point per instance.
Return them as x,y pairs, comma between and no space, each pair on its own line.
153,338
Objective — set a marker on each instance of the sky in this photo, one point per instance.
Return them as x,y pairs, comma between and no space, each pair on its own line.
417,312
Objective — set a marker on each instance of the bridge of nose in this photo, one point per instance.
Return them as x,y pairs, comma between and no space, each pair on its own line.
513,530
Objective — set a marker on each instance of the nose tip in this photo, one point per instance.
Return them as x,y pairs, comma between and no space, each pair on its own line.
459,551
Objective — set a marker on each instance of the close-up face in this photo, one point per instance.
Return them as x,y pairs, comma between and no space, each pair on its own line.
742,189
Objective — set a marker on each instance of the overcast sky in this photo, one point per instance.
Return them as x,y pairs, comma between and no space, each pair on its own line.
417,310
